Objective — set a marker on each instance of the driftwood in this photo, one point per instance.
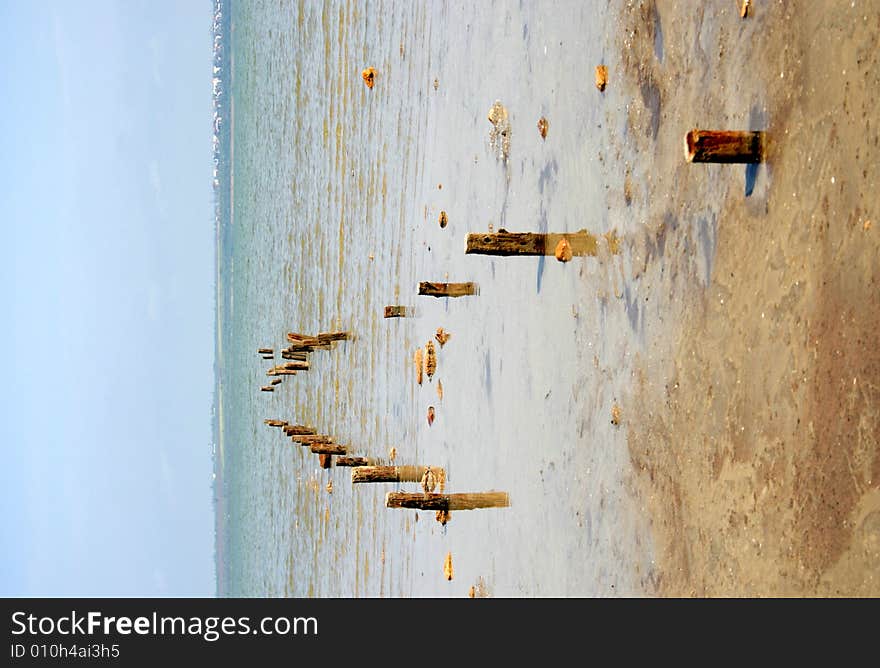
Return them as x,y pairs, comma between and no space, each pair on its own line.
447,502
506,243
724,146
429,289
275,423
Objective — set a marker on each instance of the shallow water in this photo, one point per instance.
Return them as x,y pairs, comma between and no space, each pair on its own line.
337,192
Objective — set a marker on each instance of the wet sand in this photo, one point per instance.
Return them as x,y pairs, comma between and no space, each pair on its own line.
753,412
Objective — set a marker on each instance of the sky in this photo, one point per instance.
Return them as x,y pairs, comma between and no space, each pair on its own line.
107,300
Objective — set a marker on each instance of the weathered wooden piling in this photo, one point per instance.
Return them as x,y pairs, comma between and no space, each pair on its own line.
281,372
298,429
506,243
308,439
395,311
267,388
326,461
300,355
275,423
293,365
447,502
268,357
352,461
275,381
430,289
724,146
266,351
363,474
334,336
328,449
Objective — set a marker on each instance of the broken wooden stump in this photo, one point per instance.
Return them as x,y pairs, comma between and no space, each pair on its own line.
447,502
506,243
352,461
429,289
363,474
328,449
326,461
724,146
395,311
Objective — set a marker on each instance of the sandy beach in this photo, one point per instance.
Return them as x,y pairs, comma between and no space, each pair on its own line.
752,422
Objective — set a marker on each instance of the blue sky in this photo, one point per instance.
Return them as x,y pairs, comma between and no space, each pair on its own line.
107,299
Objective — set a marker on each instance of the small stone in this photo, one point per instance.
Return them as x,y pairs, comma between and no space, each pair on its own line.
601,77
615,415
442,336
369,76
563,250
543,125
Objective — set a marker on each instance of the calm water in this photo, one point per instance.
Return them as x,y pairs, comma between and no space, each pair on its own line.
328,200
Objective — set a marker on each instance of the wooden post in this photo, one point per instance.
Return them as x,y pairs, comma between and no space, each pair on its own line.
391,473
295,365
531,243
281,372
395,312
298,429
328,449
265,351
447,502
308,439
352,461
299,355
447,289
324,337
724,146
275,381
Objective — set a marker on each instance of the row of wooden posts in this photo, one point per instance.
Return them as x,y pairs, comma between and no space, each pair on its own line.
365,470
704,146
297,354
